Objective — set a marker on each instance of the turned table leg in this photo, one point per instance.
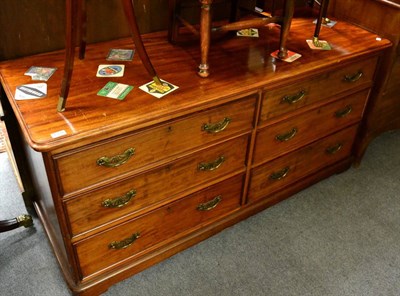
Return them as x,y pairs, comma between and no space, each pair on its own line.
82,25
130,17
10,224
75,14
321,19
234,15
285,28
173,26
71,10
205,31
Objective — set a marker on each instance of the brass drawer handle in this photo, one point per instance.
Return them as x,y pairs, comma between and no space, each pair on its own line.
210,204
211,166
279,175
344,112
354,77
294,98
118,245
213,128
333,149
287,136
117,160
120,201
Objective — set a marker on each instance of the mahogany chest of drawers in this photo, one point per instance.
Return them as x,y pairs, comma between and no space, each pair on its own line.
122,185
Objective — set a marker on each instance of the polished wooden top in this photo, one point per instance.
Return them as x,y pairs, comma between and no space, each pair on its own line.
240,66
393,3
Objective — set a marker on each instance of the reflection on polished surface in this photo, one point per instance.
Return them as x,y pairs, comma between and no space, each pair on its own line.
235,24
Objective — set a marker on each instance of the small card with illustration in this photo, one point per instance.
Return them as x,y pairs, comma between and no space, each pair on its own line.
110,71
31,91
322,45
326,22
116,54
158,90
248,33
115,90
40,73
291,56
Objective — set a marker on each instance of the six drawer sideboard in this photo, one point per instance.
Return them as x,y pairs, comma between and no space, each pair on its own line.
122,185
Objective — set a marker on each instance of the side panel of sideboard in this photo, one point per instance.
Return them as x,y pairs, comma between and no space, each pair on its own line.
383,18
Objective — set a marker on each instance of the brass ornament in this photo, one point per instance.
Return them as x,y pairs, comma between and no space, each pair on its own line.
117,160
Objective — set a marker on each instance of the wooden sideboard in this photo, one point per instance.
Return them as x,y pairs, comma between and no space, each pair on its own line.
196,161
381,17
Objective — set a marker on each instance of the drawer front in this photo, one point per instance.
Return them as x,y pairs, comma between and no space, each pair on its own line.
285,136
282,100
114,158
283,171
134,194
158,227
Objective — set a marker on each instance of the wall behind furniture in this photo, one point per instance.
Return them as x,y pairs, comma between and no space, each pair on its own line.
34,26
